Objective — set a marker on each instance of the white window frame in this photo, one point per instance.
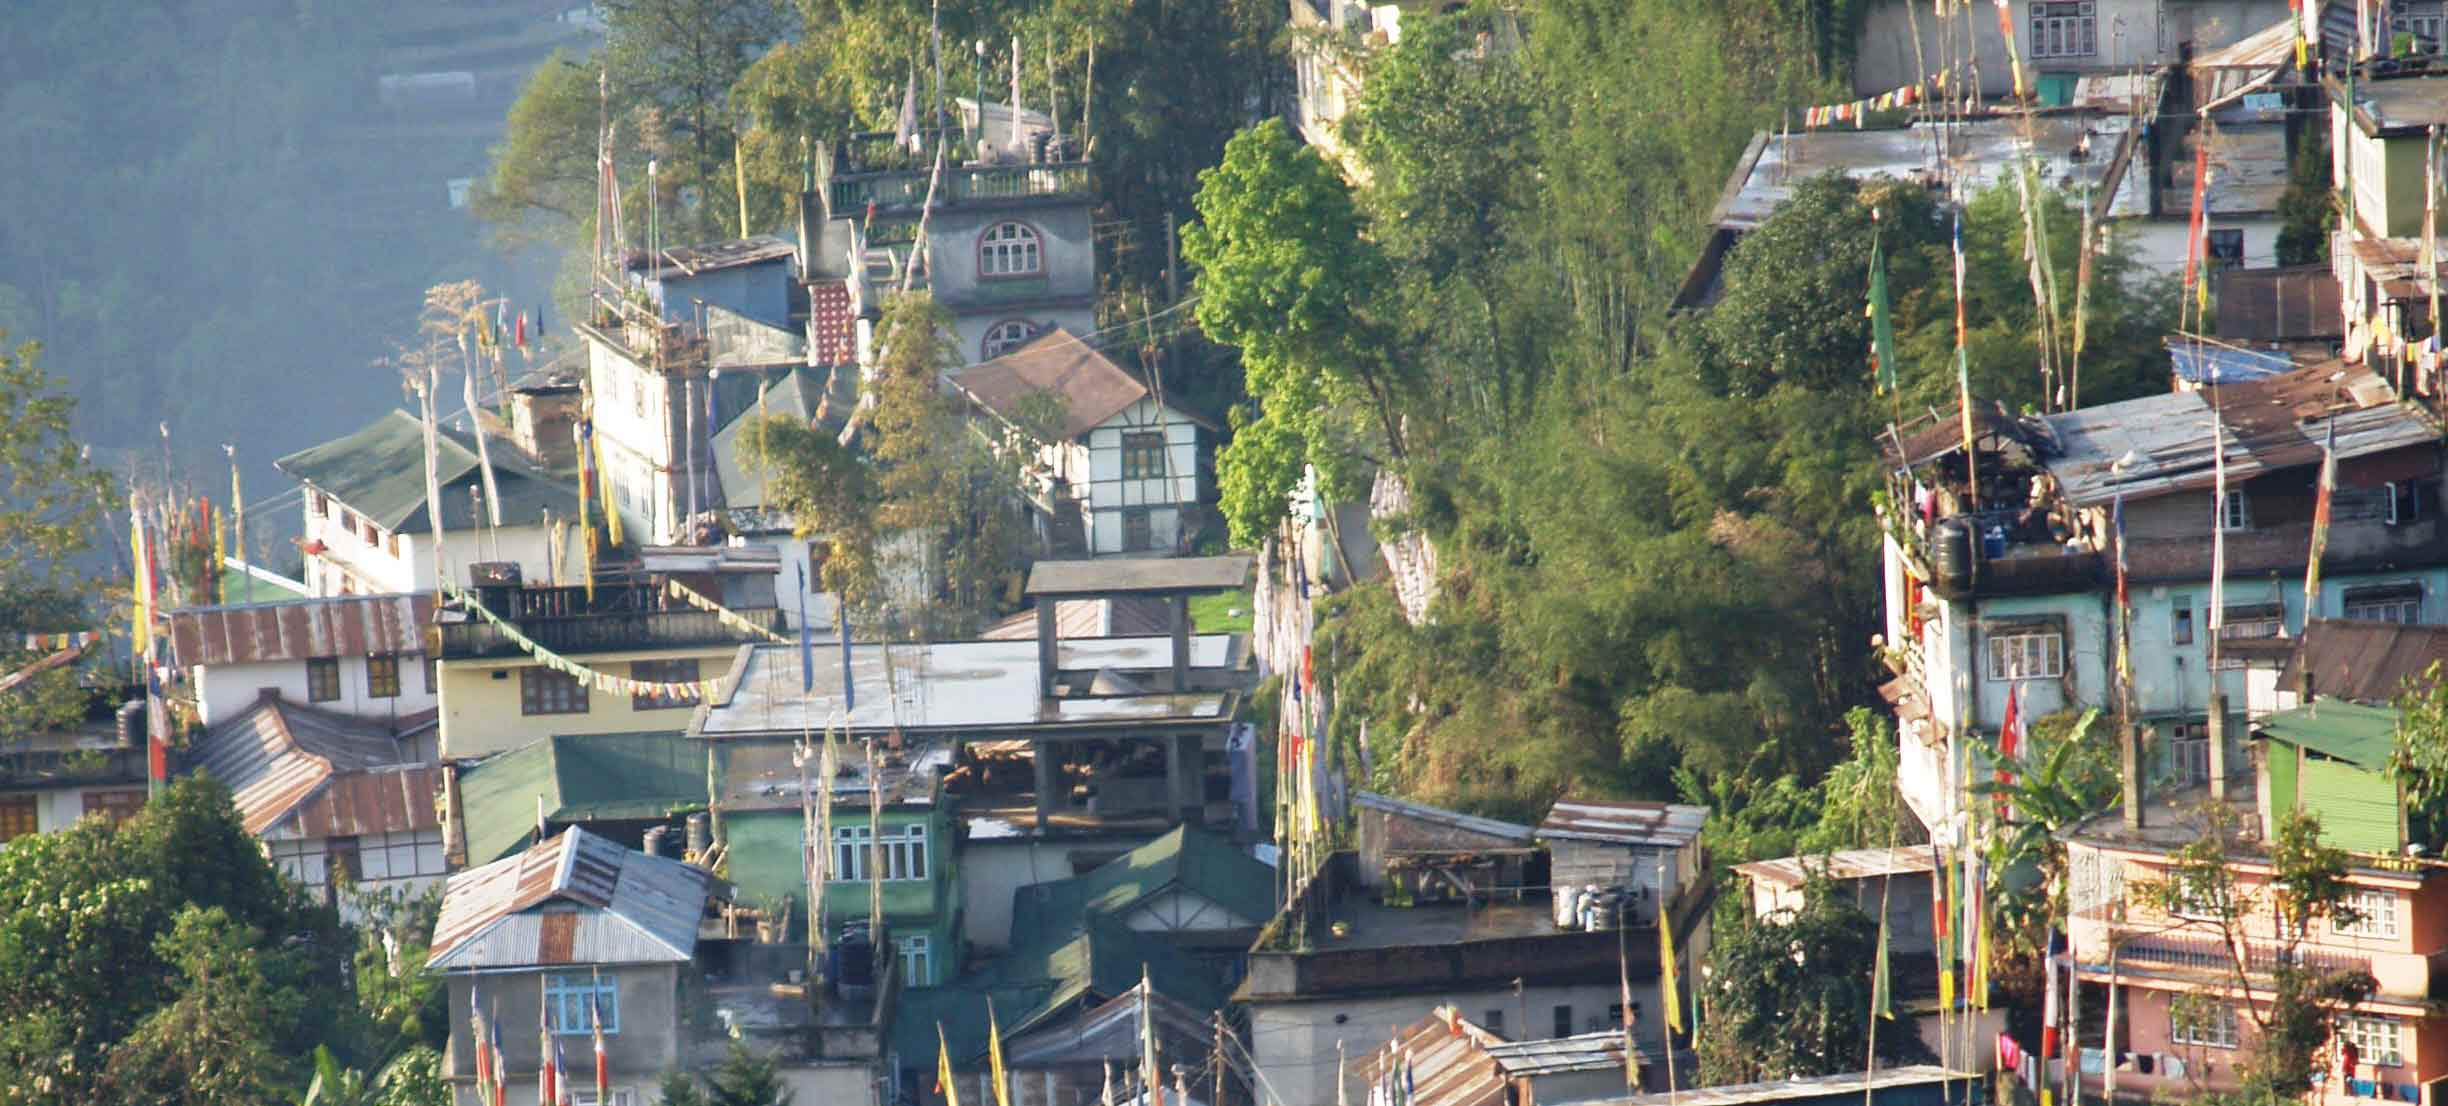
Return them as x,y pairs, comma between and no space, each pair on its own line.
2220,1032
1011,249
2404,502
2190,899
2380,1038
1006,336
585,1096
2235,511
916,959
904,850
2027,655
2064,29
565,997
2403,609
2378,909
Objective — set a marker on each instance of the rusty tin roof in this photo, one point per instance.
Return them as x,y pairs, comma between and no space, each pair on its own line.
576,899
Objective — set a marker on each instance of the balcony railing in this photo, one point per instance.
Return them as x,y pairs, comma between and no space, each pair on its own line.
2209,954
906,188
605,632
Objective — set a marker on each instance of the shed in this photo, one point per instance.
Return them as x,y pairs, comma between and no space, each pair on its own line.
2331,758
1397,834
1651,847
616,784
576,899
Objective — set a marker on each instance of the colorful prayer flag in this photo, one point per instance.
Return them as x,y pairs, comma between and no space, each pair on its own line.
1882,328
994,1056
1882,997
943,1069
1669,995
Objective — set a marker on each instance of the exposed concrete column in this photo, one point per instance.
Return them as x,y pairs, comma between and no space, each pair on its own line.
1181,641
2218,746
2129,751
1049,647
1184,766
1043,761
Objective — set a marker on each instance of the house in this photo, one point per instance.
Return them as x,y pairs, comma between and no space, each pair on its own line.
2011,593
2364,661
340,801
1192,888
497,694
1897,880
368,531
2379,126
1352,955
2330,759
1448,1060
1065,1007
95,765
1433,852
1125,470
2058,41
362,655
1914,1085
574,928
618,786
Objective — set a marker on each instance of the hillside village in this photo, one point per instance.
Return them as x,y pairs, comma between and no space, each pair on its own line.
822,658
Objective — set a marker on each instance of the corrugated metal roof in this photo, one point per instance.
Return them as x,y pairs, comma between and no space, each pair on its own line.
625,908
1665,825
1195,860
2351,732
581,778
1091,387
279,759
379,472
1556,1055
2396,264
2299,303
1125,616
1851,864
685,261
2268,424
1448,1059
1816,1088
2366,661
1140,575
296,629
1439,815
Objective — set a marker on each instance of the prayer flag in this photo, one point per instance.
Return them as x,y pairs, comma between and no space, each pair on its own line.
2194,244
476,1034
943,1069
994,1056
1669,995
2320,523
603,1066
1882,996
1882,328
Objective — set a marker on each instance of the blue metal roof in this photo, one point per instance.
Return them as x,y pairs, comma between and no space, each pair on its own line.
2203,363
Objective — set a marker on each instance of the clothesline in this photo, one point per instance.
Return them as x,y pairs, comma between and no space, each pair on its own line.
725,615
599,681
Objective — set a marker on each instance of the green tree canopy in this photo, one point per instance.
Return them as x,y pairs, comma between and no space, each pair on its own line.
53,504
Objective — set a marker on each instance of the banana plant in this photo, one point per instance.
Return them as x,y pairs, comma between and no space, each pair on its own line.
2060,780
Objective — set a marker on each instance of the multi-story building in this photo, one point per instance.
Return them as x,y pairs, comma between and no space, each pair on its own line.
2378,145
2057,41
2010,591
361,655
368,530
2185,980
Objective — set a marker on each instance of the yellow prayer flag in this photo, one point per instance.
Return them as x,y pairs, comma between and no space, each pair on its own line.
943,1068
1668,994
994,1056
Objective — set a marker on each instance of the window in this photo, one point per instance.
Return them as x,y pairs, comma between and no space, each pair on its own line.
17,817
332,508
2202,1022
373,534
682,671
2064,29
1138,530
2234,512
914,961
2196,899
114,806
2377,1038
323,679
544,691
2180,617
382,676
2400,603
1143,455
2375,915
1493,1021
1006,336
2028,656
1563,1021
391,544
2245,621
1010,250
341,853
573,1001
2425,29
2405,500
433,675
314,502
2226,248
585,1096
903,853
348,520
2189,756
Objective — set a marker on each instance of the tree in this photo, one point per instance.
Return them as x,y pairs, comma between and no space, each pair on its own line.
2063,775
2419,753
1792,307
2307,210
2306,886
1788,995
545,172
1287,274
742,1078
53,503
211,1043
683,57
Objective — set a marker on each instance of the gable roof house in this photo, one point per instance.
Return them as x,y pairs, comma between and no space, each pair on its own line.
367,531
362,655
336,799
617,786
1191,887
1126,470
574,927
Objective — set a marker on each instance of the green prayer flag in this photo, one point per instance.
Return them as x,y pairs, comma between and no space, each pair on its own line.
1882,992
1882,329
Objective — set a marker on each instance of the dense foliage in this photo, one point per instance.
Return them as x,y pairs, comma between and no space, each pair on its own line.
1655,530
1784,994
53,503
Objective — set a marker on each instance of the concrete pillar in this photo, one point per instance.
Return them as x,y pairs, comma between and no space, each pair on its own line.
1043,759
1049,647
1181,641
2129,754
1183,764
2218,746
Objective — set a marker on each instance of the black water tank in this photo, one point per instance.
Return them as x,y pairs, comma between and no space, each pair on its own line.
1951,558
131,719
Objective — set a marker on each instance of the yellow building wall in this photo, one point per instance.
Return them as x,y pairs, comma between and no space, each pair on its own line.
480,711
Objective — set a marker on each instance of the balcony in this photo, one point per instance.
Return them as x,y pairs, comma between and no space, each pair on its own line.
606,631
2184,954
906,189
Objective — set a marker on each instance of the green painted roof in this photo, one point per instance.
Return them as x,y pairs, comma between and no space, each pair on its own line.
795,396
1104,958
2350,732
379,472
1195,860
582,778
765,866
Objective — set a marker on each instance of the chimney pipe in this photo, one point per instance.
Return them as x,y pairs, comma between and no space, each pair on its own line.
2218,746
2129,749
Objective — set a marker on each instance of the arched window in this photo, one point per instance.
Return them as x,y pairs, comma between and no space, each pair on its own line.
1006,336
1010,250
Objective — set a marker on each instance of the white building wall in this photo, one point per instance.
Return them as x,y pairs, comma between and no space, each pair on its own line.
350,565
2126,33
224,691
1295,1042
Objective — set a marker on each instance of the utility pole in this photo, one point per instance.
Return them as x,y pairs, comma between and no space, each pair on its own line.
1218,1100
1172,262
